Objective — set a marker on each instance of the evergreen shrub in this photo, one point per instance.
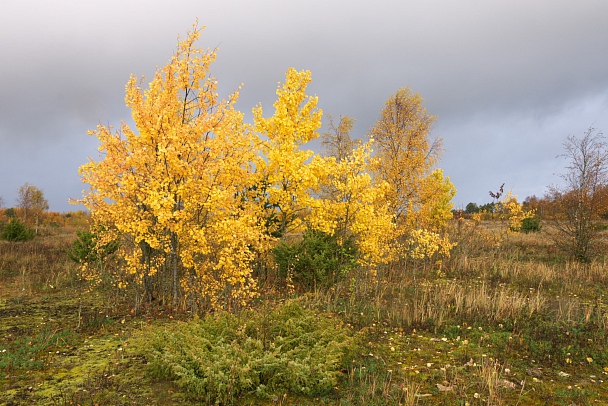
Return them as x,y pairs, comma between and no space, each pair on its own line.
530,225
15,230
223,357
319,259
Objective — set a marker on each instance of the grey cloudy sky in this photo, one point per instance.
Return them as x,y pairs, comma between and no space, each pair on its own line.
508,80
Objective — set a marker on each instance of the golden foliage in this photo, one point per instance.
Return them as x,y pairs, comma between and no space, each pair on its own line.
419,197
356,206
513,212
290,171
297,177
171,187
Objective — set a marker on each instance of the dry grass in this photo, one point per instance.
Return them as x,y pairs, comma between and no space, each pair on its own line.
490,372
452,300
432,303
36,266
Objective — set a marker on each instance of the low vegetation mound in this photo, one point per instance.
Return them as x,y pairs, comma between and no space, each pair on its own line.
224,356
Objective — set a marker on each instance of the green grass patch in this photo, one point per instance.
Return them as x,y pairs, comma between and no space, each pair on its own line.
27,353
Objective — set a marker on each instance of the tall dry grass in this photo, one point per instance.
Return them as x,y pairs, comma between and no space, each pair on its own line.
36,266
484,282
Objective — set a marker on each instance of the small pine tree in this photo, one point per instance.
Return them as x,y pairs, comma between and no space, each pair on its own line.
530,225
84,249
15,230
318,259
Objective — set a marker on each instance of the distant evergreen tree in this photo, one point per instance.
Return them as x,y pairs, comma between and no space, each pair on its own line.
15,230
472,208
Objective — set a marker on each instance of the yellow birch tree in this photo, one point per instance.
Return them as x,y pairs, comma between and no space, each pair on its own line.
418,196
31,200
296,178
170,188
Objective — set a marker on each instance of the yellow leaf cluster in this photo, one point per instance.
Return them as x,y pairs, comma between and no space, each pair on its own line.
514,212
291,171
423,244
356,206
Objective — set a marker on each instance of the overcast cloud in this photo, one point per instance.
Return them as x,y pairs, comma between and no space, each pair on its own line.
508,80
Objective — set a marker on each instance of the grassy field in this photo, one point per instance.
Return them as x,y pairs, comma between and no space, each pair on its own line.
506,320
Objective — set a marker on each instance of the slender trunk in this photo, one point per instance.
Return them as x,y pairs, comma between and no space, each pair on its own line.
174,267
146,254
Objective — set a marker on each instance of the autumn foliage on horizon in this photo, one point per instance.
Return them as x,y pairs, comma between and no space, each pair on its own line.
198,198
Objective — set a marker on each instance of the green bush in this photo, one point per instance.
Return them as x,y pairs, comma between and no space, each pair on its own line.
224,357
530,225
318,259
84,249
15,230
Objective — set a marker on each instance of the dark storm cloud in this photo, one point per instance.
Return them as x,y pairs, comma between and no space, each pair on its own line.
508,80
